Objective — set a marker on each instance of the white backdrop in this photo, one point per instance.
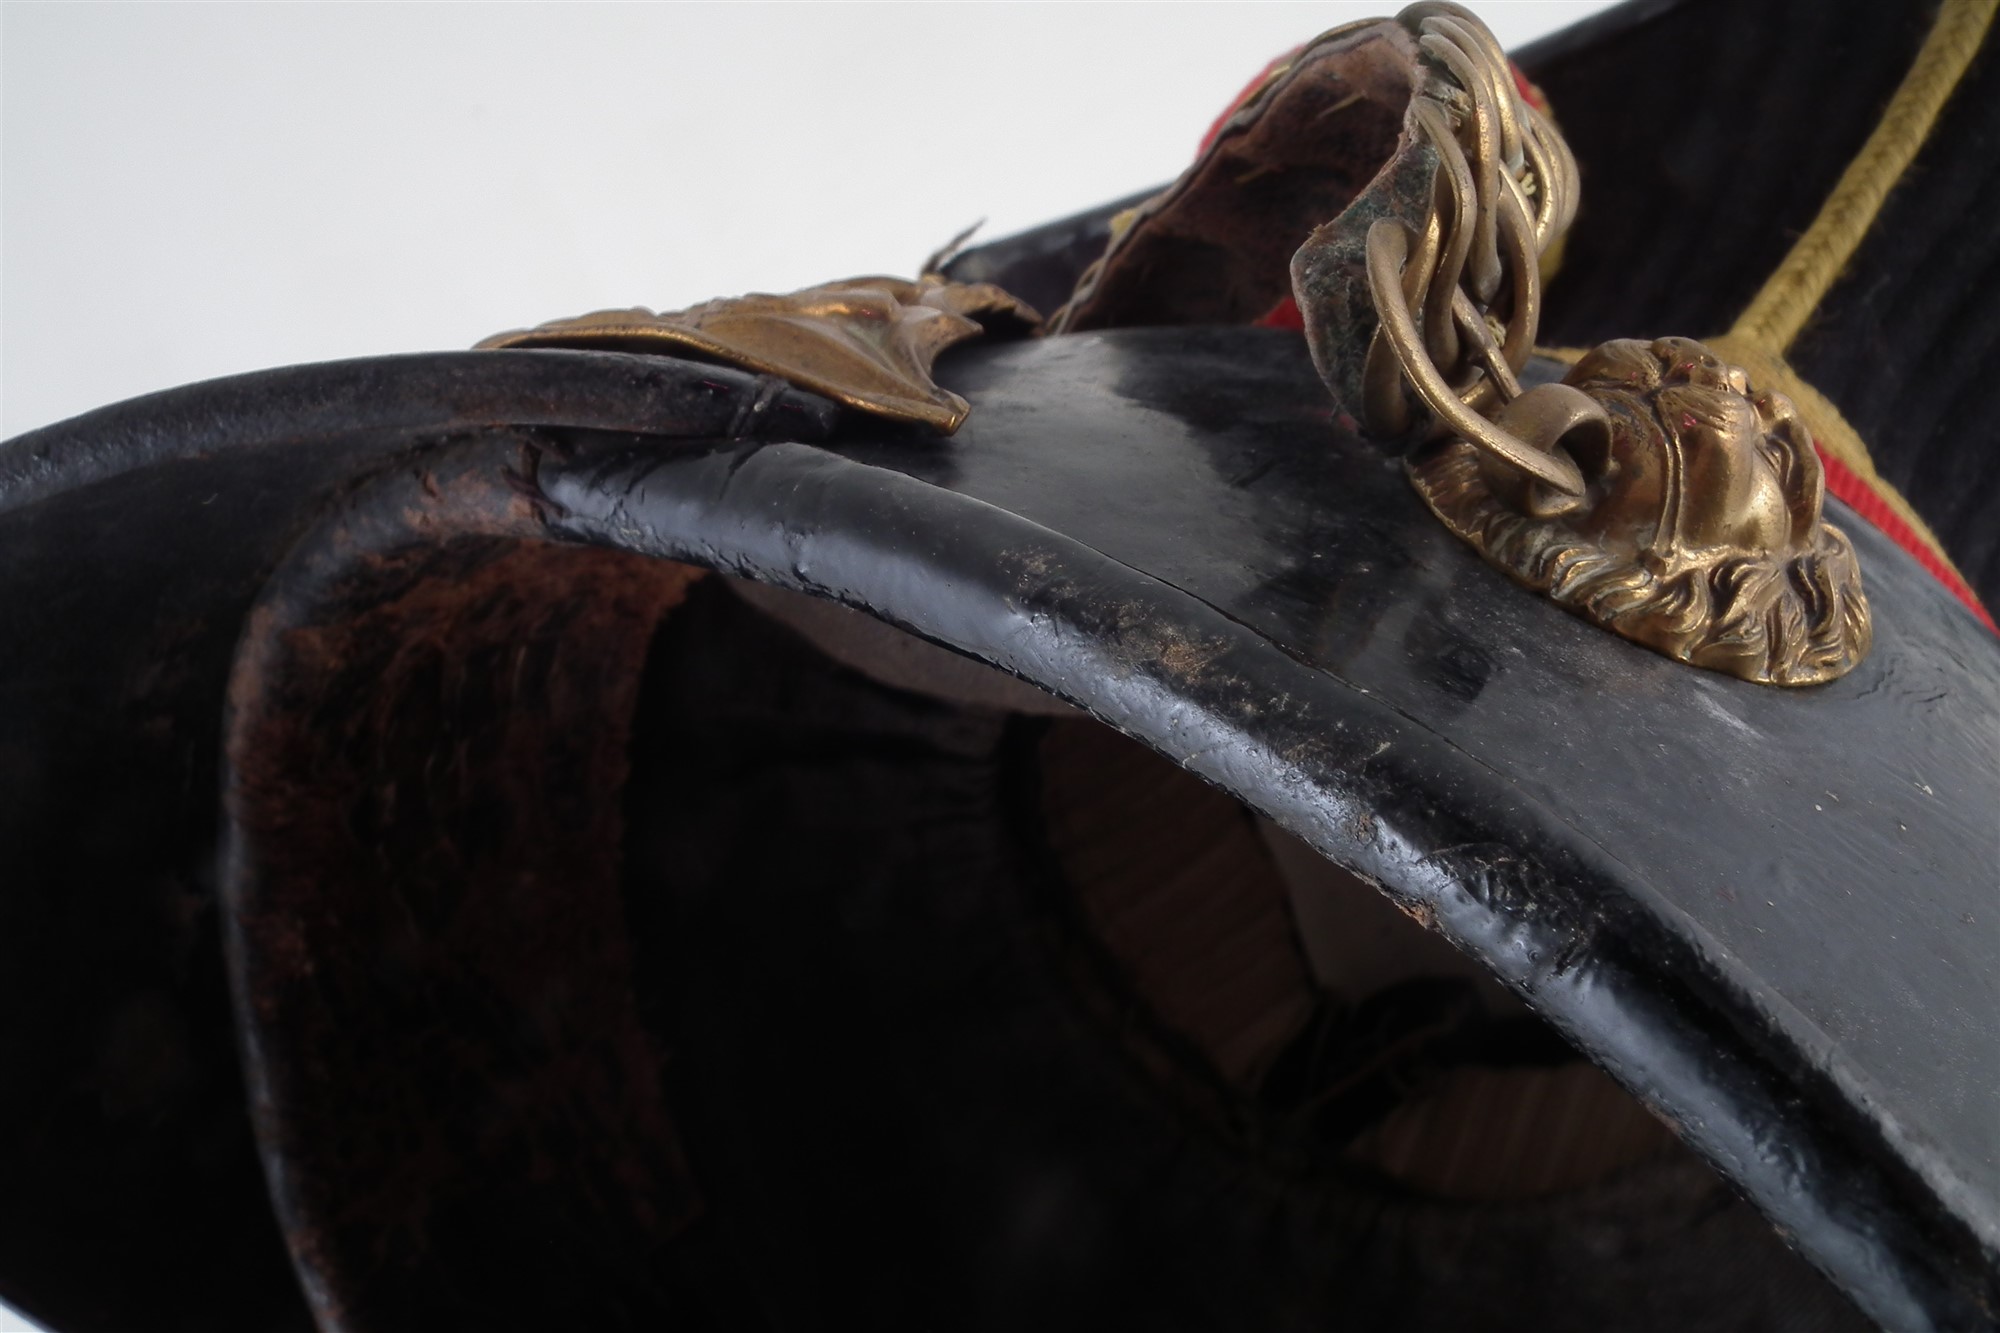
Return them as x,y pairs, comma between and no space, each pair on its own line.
195,190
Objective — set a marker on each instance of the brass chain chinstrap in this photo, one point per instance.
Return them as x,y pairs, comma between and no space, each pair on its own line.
1460,297
1654,491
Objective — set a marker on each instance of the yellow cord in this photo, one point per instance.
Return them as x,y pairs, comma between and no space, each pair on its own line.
1771,322
1777,313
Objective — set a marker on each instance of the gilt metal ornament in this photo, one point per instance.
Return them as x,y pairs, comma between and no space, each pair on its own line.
1698,532
867,343
1654,491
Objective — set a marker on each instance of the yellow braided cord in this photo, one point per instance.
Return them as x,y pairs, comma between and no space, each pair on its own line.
1788,298
1777,313
1767,327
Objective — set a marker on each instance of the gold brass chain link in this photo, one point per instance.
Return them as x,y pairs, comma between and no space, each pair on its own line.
1460,299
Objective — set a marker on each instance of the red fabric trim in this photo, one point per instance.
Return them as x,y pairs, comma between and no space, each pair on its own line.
1864,500
1529,92
1284,315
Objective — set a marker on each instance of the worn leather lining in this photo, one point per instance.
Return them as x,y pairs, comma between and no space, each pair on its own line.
1217,246
425,752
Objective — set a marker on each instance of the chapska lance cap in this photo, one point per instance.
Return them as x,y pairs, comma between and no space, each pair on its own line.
1400,734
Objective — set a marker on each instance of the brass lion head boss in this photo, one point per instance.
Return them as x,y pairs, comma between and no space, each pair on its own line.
1654,491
